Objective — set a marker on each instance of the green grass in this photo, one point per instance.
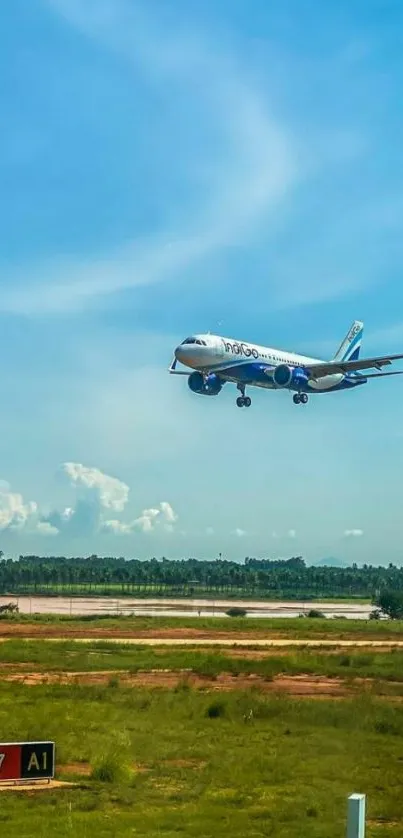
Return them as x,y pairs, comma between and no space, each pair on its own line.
71,656
262,627
286,774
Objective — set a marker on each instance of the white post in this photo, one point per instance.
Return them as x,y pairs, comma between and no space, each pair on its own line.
356,816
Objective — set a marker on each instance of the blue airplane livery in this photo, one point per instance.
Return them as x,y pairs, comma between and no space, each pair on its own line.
213,360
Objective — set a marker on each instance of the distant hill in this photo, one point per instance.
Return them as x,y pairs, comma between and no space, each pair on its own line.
330,561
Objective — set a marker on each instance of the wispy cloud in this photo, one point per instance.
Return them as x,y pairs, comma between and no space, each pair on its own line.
246,173
355,533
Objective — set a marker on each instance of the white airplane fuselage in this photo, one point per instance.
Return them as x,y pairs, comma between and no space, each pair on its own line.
215,360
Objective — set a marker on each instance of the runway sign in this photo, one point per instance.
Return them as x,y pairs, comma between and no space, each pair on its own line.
27,761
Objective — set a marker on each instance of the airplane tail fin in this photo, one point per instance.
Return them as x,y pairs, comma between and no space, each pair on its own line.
349,348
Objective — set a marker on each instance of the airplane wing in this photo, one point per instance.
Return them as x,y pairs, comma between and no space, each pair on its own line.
321,369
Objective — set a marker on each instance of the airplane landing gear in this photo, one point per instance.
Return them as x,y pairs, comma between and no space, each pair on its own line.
243,401
300,398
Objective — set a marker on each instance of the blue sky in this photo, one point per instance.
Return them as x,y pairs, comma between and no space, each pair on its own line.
174,167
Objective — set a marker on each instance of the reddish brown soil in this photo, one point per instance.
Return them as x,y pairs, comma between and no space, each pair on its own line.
298,685
9,629
82,769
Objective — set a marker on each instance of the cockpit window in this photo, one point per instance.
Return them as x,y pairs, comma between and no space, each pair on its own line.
194,340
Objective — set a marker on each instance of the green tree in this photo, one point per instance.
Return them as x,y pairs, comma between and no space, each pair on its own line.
391,603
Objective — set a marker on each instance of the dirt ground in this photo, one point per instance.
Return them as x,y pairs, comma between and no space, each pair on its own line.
202,639
88,632
176,635
309,686
33,630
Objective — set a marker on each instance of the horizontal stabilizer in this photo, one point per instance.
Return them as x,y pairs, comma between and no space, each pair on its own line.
382,374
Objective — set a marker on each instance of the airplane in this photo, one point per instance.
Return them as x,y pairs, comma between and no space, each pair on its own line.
213,361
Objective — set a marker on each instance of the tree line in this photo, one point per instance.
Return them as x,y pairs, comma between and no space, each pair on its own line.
288,578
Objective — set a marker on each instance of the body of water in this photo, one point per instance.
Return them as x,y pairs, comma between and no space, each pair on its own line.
81,606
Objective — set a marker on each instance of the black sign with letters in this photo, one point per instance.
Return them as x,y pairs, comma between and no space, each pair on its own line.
37,761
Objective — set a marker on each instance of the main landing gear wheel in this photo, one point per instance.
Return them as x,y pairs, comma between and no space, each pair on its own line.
243,401
300,398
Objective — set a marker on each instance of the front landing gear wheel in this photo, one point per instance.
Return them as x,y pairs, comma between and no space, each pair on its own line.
243,401
296,398
304,398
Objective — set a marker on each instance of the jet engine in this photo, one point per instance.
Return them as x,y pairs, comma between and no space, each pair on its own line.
285,376
209,385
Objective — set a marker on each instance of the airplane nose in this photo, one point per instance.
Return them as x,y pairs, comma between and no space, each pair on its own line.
179,353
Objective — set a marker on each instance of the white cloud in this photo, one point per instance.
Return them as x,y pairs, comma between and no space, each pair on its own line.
247,171
168,513
97,493
44,528
239,533
111,492
116,527
353,533
15,514
292,534
147,521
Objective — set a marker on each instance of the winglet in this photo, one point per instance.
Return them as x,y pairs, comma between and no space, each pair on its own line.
172,369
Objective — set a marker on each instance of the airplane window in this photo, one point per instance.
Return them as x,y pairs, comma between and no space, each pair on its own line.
189,340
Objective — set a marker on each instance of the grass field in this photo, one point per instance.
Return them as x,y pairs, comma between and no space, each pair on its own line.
183,760
292,628
166,767
68,656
